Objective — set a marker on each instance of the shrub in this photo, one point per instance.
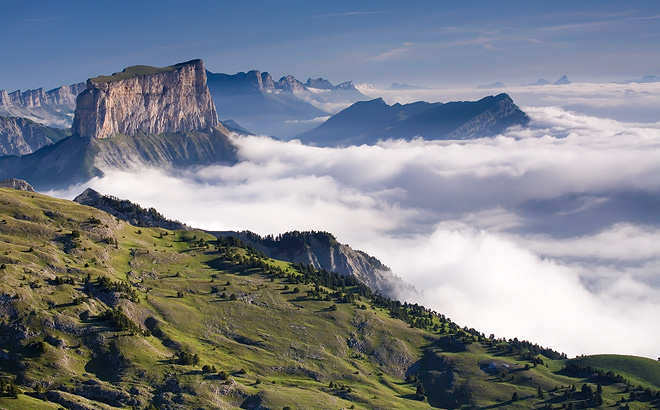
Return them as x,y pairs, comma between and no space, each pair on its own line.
120,321
186,358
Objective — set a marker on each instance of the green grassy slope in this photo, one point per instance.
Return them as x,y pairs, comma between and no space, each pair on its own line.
96,313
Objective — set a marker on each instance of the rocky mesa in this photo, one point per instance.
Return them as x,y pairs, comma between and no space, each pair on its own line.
146,100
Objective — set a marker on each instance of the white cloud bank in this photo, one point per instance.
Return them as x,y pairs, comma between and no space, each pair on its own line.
535,234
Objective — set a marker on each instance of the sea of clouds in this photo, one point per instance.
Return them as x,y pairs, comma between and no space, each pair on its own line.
549,233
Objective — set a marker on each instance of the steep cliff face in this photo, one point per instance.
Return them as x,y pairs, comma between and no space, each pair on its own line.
146,100
20,136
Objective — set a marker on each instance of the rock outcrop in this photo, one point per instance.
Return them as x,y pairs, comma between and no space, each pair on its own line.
17,184
146,100
322,251
20,136
127,211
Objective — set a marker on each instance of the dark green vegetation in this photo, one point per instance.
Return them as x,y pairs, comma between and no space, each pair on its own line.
127,211
77,159
137,71
96,313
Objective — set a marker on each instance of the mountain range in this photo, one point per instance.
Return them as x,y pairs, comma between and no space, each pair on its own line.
280,108
54,107
105,304
367,122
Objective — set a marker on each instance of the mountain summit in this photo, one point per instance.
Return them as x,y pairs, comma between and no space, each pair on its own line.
149,100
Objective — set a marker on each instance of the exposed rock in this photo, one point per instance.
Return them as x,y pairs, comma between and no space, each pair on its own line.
127,211
146,100
20,136
64,95
15,183
366,122
53,108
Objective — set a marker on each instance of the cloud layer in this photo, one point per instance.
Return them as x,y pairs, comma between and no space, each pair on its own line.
548,233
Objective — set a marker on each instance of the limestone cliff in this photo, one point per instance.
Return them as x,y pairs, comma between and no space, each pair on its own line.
20,136
146,100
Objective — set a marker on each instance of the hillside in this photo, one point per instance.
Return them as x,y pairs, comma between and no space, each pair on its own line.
96,313
366,122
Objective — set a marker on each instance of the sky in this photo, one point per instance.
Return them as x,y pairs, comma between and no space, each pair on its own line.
426,42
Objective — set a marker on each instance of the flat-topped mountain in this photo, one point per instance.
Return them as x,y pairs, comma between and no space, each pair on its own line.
161,117
20,136
366,122
146,100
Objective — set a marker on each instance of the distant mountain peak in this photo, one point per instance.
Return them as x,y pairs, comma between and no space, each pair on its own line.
366,122
563,80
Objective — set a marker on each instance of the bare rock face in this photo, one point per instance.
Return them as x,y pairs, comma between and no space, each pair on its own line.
146,100
15,183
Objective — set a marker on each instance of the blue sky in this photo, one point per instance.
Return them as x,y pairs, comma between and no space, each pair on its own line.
48,43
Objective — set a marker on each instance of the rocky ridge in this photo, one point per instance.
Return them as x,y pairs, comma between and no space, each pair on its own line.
146,100
322,251
54,107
